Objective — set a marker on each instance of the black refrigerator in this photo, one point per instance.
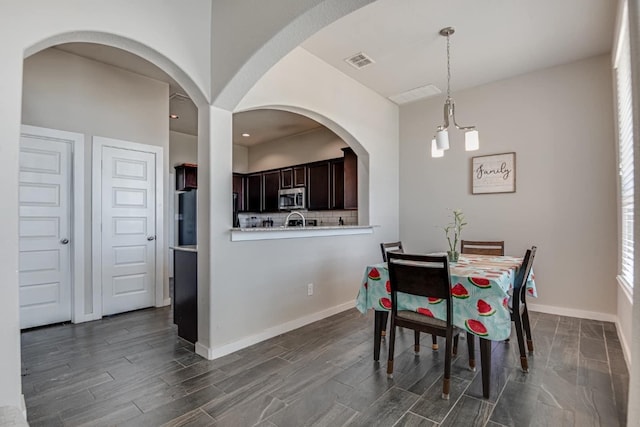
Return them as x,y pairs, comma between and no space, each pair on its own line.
187,219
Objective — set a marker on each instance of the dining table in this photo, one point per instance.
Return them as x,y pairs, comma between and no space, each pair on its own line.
481,289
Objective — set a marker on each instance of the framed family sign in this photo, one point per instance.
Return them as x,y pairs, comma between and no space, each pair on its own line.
495,173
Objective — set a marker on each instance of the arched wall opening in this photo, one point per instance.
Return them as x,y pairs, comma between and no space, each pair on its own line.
361,153
134,133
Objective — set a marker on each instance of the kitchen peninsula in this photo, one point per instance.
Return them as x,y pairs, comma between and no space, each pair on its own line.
272,233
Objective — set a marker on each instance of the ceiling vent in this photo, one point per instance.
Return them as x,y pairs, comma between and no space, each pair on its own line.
359,60
415,94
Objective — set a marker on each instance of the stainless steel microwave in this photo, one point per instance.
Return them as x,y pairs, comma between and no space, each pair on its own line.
291,198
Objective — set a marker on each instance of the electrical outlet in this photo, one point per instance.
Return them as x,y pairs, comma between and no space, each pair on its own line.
310,289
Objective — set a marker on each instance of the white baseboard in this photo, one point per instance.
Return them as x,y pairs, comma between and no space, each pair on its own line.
166,302
626,350
223,350
572,312
23,406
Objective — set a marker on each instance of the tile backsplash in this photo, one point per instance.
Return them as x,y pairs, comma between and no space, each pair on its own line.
323,218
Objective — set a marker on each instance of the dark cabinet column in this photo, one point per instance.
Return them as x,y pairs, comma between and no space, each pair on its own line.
350,179
271,185
337,184
254,192
286,176
238,187
185,294
318,183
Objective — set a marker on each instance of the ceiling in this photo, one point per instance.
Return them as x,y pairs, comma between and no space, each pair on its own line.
494,40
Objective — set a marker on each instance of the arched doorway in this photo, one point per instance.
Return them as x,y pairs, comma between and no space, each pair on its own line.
101,91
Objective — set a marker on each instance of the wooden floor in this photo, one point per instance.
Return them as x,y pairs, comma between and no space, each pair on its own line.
132,370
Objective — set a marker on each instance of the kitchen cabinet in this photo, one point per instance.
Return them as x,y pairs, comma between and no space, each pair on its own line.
254,192
286,176
186,177
270,187
318,183
299,176
262,191
350,179
293,177
337,184
238,188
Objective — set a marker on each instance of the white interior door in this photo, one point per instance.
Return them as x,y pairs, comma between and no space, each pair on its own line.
44,198
128,250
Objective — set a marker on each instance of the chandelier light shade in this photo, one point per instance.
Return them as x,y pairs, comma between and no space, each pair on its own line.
471,139
435,151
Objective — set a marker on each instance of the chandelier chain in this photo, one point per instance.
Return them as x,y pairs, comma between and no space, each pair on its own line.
448,70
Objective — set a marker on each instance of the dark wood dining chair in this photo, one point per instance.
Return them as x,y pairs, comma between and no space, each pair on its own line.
397,247
478,247
519,311
388,247
425,276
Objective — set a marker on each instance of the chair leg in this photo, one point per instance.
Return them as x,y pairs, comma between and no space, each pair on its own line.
471,347
385,316
377,326
527,329
416,344
523,354
392,342
434,342
446,384
455,345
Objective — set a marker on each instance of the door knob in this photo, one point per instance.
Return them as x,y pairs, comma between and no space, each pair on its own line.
64,241
150,238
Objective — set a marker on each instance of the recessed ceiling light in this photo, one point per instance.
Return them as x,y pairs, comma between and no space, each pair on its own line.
246,135
173,116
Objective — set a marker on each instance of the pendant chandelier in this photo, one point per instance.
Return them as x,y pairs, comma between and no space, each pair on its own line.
440,143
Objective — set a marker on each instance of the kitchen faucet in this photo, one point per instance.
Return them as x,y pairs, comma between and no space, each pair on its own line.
286,221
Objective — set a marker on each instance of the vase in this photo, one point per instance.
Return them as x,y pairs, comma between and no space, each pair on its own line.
453,256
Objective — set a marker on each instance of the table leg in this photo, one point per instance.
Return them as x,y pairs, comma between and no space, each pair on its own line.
380,320
485,361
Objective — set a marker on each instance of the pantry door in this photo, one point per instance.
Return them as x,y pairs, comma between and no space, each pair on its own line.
128,192
44,230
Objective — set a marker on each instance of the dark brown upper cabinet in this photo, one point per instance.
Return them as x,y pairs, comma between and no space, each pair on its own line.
186,177
318,185
270,186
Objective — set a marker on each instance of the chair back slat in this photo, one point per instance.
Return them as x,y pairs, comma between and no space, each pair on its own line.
421,275
484,247
390,247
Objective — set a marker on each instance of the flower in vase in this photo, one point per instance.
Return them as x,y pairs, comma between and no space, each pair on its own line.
453,230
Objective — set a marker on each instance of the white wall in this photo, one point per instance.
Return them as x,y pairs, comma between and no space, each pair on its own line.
184,53
240,158
183,148
559,121
318,144
268,278
68,92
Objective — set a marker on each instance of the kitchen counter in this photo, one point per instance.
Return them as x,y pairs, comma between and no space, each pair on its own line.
270,233
185,248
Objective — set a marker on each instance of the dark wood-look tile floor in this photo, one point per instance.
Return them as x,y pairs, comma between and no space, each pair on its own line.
133,370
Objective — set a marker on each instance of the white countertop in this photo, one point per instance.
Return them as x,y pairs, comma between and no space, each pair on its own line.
267,233
185,248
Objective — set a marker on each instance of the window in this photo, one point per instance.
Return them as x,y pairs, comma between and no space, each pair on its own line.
625,151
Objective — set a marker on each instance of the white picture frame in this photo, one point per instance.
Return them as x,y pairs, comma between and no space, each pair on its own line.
495,173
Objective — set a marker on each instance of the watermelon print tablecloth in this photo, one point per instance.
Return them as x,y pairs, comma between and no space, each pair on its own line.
481,286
